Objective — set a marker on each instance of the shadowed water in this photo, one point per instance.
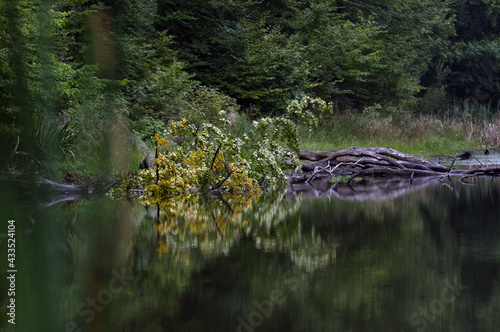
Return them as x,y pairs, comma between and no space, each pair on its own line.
426,259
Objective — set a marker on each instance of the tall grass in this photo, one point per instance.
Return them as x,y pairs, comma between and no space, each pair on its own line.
466,126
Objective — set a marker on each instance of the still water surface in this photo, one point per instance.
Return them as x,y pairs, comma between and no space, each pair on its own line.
427,260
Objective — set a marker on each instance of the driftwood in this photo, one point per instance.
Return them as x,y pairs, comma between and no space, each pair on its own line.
375,173
367,157
379,163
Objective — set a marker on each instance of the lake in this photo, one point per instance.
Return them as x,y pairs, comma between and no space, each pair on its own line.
419,257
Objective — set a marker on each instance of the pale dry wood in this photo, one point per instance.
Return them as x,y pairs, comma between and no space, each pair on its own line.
382,163
366,156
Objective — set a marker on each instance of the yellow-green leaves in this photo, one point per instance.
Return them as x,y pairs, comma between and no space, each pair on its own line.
200,159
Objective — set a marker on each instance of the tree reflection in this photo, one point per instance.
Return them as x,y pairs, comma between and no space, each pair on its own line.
405,264
209,264
471,220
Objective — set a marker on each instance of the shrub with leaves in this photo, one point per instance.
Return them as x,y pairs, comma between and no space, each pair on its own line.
205,161
269,135
208,158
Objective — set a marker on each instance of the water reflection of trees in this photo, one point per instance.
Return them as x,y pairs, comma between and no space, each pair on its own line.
354,265
192,235
277,238
471,220
338,265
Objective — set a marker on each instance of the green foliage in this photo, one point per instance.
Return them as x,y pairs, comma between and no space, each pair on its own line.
51,142
52,138
168,96
414,38
206,162
16,52
459,127
208,158
475,69
268,70
349,64
476,20
269,160
474,78
356,54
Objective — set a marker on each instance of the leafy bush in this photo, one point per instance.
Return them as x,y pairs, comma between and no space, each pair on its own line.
208,158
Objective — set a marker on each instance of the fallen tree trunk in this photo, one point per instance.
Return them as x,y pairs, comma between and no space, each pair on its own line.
385,173
370,156
380,163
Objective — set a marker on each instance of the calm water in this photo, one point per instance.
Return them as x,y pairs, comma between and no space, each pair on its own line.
425,259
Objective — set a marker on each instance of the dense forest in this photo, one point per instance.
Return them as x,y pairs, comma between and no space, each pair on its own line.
77,73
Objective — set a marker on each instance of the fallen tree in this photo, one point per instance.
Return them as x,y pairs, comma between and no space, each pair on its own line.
369,163
373,173
367,157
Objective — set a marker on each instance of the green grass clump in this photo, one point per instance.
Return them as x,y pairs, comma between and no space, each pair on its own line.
417,134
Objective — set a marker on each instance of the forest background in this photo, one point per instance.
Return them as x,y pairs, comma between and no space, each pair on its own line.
77,77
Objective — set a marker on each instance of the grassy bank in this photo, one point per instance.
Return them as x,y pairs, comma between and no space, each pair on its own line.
422,135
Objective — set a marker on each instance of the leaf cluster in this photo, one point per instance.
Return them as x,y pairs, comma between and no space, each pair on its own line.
193,159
